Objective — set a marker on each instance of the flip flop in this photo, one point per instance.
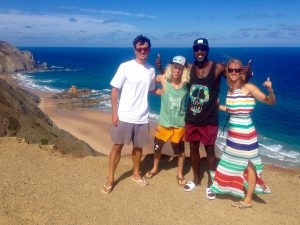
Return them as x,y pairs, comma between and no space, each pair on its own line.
106,190
241,205
142,182
149,175
210,194
181,181
190,186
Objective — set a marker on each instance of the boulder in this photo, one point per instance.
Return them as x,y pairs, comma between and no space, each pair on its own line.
13,60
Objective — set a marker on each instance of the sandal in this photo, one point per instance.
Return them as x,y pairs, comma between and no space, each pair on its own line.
210,194
142,182
106,190
181,181
149,175
190,186
241,205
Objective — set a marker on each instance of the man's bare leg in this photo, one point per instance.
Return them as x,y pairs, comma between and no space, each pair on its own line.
114,158
136,158
211,162
195,159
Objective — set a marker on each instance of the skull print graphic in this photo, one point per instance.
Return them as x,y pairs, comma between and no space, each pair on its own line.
199,94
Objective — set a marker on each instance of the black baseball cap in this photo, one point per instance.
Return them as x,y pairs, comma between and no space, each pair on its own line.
200,44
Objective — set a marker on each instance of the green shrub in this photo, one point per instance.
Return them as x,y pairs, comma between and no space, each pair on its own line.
53,134
44,141
13,124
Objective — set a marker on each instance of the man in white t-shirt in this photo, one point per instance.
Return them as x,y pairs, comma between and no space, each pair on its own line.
132,81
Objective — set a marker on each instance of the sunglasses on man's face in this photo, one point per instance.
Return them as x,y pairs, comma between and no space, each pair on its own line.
231,70
201,48
139,50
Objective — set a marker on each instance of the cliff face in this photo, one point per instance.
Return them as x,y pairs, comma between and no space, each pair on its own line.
21,117
13,60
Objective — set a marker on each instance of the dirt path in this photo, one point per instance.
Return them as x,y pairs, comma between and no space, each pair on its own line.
39,186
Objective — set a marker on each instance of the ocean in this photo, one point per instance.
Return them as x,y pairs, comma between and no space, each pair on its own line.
278,126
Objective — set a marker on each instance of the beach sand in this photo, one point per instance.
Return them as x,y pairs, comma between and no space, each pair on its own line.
93,127
41,186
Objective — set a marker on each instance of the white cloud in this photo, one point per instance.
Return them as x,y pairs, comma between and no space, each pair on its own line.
57,26
118,13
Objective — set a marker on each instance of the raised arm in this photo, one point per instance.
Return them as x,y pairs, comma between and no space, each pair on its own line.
247,70
114,105
160,79
158,64
259,95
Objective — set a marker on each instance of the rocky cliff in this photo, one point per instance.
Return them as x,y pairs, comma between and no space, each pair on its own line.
21,117
13,60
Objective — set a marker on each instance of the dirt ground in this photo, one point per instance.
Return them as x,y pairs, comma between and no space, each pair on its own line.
41,186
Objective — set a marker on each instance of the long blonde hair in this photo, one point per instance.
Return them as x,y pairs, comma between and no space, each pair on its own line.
185,77
242,76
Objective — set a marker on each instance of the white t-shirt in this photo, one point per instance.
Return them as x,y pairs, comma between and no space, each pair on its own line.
135,81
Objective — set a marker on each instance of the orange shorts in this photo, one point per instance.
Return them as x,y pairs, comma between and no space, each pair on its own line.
173,134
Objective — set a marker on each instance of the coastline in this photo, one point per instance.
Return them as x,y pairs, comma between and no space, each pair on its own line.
93,126
89,125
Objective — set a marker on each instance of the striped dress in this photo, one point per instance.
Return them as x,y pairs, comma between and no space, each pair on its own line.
230,176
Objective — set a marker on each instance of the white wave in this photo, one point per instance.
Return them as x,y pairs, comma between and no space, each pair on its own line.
271,152
26,81
105,96
70,70
56,67
46,81
53,90
21,76
273,148
106,103
62,69
42,88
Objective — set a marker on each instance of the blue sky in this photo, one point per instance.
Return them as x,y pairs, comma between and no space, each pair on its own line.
168,23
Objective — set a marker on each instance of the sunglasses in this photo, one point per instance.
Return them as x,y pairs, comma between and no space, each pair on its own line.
177,66
230,70
139,50
202,48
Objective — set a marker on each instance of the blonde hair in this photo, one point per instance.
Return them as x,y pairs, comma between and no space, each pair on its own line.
242,76
185,77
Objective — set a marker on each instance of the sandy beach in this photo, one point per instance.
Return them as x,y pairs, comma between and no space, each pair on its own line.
92,126
41,186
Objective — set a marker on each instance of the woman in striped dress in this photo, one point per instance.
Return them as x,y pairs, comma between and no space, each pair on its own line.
240,166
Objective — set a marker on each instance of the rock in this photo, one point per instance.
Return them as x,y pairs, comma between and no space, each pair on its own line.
43,66
13,60
21,117
72,89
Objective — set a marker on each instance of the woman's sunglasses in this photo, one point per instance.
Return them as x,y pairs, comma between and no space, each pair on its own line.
230,70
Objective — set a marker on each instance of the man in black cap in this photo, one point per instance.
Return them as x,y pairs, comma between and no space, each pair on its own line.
201,121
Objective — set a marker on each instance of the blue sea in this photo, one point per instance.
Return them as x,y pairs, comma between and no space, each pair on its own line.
278,126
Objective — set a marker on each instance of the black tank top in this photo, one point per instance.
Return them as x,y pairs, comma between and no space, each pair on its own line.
202,107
